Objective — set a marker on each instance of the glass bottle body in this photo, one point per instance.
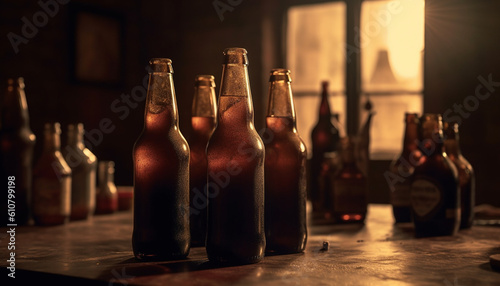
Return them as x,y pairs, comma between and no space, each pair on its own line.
285,199
161,174
325,138
466,177
83,166
435,193
51,182
402,170
203,122
235,152
348,191
17,142
107,195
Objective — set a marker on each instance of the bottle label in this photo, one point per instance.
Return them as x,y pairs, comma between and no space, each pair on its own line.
425,197
349,198
400,197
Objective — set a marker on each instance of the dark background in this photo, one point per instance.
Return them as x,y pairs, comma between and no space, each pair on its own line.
462,43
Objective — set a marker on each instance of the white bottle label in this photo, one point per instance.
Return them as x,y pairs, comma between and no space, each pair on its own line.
425,197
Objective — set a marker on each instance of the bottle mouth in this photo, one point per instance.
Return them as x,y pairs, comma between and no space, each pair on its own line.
75,127
235,56
280,74
16,82
205,80
161,65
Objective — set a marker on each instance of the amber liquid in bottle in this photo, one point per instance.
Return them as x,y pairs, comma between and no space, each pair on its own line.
285,171
161,174
325,137
466,177
16,149
51,181
349,198
435,193
235,152
203,123
402,170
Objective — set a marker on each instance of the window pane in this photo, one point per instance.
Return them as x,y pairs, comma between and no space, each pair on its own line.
387,125
307,110
392,44
315,46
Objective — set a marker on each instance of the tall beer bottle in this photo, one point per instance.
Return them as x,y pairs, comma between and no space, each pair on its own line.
402,169
203,119
16,150
51,181
83,166
285,199
325,137
349,200
435,193
466,177
235,152
161,174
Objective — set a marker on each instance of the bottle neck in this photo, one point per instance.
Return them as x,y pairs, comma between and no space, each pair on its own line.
324,108
75,136
235,99
431,135
15,114
451,141
106,172
161,106
411,134
52,142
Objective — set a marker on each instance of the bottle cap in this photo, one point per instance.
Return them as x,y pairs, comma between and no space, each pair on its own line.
280,75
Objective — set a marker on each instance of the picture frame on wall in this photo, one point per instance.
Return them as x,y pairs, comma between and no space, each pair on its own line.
97,46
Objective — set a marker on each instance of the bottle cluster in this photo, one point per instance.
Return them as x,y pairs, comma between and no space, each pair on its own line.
61,186
230,190
432,184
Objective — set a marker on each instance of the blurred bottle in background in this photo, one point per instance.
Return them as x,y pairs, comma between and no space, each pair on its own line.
466,177
348,187
402,169
16,149
106,196
203,120
51,181
83,166
325,137
434,192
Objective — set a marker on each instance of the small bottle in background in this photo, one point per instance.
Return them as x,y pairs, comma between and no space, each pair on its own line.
83,164
466,177
51,181
107,196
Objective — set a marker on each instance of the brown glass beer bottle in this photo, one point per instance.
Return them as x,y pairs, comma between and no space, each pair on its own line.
285,171
83,166
348,196
434,191
402,169
161,174
203,119
16,142
107,195
235,153
325,137
51,181
466,177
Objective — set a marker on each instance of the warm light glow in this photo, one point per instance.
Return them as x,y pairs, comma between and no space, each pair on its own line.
405,38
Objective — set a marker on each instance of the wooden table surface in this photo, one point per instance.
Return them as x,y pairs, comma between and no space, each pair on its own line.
377,253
